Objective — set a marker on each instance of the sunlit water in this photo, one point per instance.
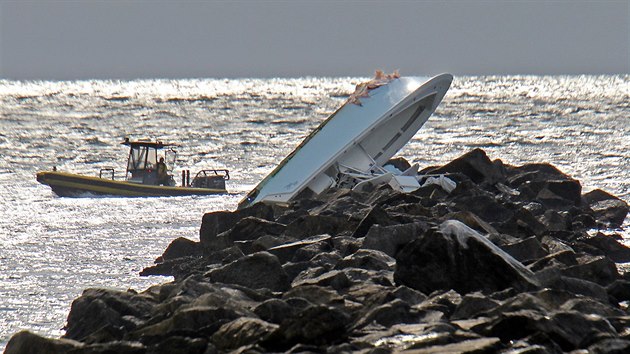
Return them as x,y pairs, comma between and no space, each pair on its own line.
52,248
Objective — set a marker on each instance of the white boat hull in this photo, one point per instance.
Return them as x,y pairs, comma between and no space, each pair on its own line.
355,139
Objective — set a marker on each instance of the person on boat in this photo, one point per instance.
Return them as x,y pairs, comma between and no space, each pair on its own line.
162,175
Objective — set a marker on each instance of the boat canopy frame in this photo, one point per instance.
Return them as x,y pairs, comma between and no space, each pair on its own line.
143,157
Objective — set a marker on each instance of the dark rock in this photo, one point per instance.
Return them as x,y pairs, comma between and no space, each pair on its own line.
442,301
485,207
259,270
554,194
101,309
458,258
555,221
367,259
317,325
476,165
576,286
610,346
389,314
251,228
609,210
376,216
473,221
409,295
400,163
610,247
478,345
266,242
389,239
523,223
600,270
346,245
180,247
317,295
197,320
242,331
472,305
294,269
179,345
311,225
286,252
328,260
576,330
512,326
310,251
274,310
619,290
25,342
336,279
588,306
217,222
525,250
533,172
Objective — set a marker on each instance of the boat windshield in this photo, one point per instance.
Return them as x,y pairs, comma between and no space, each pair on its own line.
142,158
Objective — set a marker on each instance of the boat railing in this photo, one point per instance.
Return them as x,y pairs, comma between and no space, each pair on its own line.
107,171
212,178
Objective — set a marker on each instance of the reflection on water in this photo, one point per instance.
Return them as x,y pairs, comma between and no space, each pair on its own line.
52,248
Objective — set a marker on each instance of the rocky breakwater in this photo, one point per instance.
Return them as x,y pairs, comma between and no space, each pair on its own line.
509,261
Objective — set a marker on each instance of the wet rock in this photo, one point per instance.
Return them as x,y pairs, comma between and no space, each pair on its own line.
429,263
609,210
259,270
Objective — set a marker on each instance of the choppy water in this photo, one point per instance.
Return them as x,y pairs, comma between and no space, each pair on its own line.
52,248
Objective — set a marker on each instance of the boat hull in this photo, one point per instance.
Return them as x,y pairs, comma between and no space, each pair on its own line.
360,136
74,185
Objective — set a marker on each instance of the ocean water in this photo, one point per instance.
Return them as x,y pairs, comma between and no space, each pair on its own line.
52,248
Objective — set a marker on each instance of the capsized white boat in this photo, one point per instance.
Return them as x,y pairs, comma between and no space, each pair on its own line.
350,148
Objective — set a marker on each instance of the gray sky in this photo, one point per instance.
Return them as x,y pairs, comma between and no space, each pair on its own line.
200,39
